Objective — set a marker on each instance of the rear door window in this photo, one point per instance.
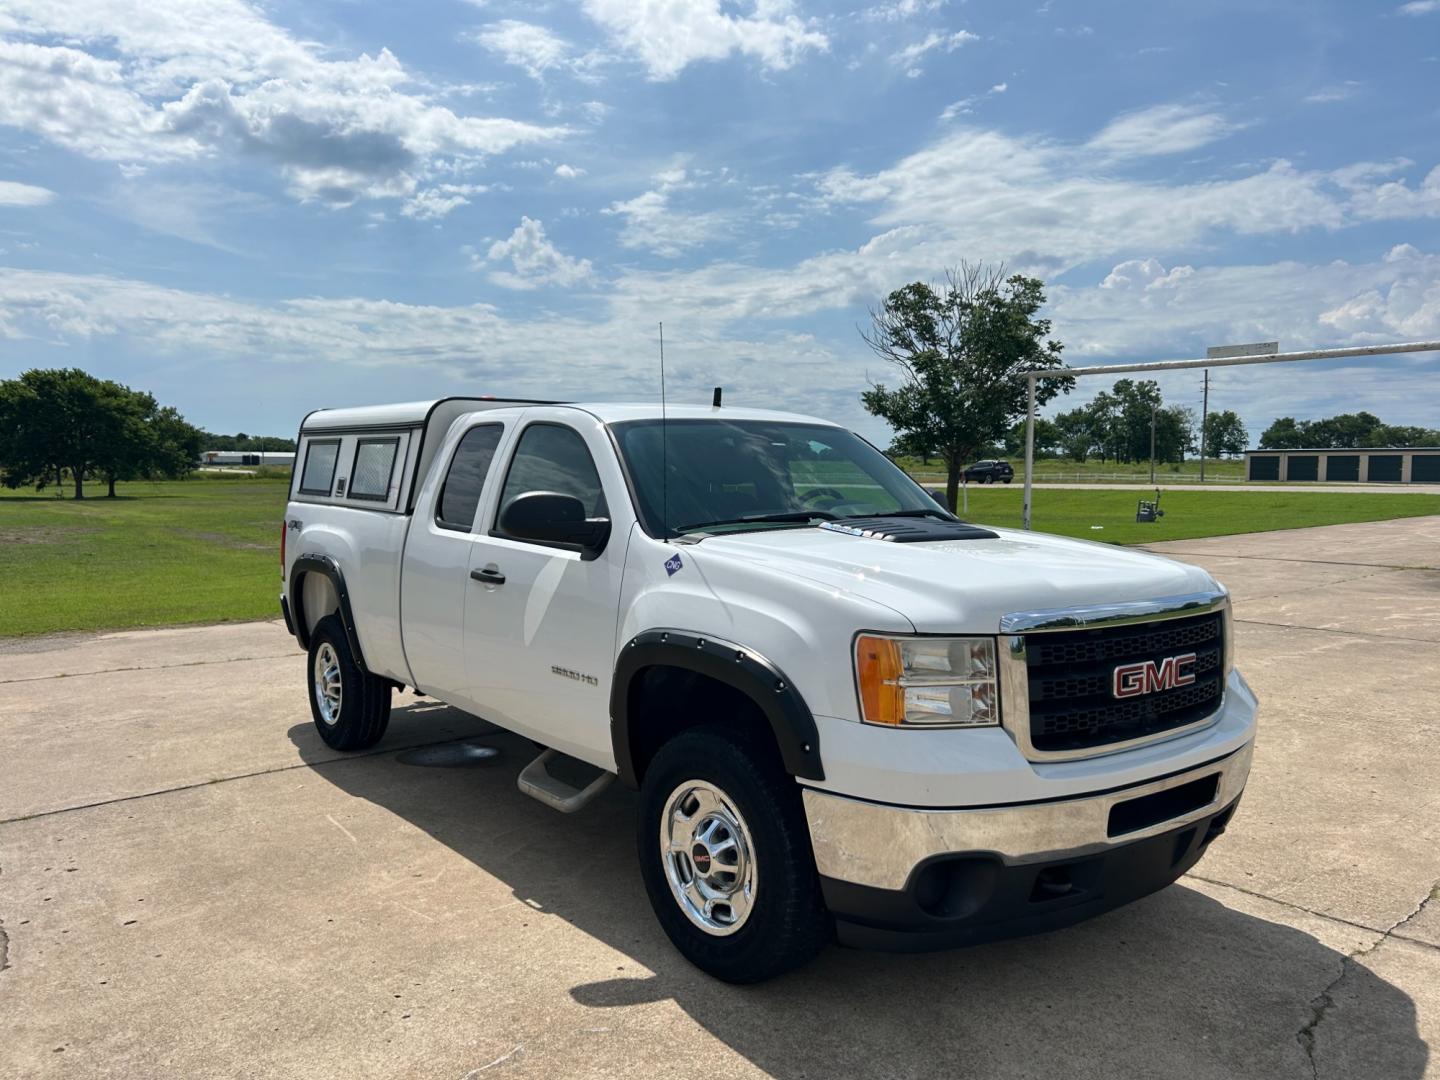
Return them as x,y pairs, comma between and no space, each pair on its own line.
465,480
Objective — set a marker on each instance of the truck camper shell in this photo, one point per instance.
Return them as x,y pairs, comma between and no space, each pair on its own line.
406,435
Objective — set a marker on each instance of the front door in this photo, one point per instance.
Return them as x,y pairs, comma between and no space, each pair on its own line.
434,584
539,620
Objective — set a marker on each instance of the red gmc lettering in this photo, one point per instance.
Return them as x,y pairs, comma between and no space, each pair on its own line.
1146,677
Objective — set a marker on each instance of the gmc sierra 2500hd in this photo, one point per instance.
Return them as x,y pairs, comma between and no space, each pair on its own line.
847,713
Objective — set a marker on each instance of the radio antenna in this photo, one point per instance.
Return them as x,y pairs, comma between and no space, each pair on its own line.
664,444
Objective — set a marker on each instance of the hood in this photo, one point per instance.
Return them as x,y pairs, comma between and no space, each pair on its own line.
960,586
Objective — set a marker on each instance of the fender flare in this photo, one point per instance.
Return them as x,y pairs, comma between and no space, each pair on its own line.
747,671
325,565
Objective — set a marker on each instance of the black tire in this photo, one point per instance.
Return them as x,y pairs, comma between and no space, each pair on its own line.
364,710
1008,479
787,923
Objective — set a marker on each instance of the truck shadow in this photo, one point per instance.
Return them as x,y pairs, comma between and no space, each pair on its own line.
1177,985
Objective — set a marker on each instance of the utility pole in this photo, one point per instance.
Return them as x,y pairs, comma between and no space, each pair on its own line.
1152,442
1204,414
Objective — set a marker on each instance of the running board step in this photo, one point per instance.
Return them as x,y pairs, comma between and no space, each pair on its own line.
539,783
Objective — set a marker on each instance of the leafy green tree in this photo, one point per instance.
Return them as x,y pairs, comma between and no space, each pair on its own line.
960,350
1225,433
1284,434
1345,431
64,420
56,419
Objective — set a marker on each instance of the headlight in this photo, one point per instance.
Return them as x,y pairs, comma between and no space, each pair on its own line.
927,682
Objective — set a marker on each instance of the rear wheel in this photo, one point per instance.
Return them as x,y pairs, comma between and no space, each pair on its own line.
351,707
725,856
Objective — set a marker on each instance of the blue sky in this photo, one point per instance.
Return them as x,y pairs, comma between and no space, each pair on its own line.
255,210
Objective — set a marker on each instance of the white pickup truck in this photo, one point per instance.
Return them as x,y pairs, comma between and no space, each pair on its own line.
847,713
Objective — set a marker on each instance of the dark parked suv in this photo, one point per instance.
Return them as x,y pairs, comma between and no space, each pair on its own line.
987,472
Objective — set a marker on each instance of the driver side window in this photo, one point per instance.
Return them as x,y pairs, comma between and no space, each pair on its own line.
551,457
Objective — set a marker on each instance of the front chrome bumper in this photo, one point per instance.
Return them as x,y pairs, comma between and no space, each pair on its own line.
879,845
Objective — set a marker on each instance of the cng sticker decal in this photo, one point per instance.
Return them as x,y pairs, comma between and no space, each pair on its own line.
673,565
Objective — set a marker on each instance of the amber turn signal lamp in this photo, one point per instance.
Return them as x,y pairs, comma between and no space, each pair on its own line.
882,698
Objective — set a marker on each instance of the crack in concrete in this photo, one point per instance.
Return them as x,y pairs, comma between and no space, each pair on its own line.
1321,1003
1334,630
354,756
150,667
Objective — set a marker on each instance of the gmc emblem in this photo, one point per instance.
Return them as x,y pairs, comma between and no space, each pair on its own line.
1146,677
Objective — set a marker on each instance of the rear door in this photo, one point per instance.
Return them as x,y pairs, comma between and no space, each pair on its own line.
540,646
437,561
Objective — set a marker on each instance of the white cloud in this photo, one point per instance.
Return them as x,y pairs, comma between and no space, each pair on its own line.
13,193
909,56
1420,7
668,35
1161,129
653,222
524,45
535,50
1328,95
438,201
535,261
966,105
1143,309
186,79
568,172
900,10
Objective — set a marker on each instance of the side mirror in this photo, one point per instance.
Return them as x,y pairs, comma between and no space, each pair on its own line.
548,517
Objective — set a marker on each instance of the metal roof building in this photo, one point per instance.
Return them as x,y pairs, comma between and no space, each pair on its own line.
1366,465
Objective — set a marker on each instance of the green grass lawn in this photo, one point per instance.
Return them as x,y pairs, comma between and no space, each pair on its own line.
203,551
1188,514
193,551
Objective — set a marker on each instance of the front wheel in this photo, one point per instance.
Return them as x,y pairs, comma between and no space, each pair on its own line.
351,707
1008,479
725,856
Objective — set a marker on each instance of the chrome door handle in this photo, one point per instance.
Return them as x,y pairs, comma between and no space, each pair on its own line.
490,575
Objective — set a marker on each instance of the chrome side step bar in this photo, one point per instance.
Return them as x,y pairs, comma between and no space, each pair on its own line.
537,781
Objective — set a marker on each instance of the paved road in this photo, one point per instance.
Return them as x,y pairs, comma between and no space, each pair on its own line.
191,885
1352,489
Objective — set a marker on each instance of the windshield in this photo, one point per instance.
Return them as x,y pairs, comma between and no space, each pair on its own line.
724,474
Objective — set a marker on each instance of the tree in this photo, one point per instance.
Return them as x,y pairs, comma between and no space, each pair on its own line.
960,350
1345,431
1225,433
1283,434
55,420
52,421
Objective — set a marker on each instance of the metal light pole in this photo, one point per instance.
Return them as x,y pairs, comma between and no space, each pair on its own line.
1152,442
1204,415
1029,446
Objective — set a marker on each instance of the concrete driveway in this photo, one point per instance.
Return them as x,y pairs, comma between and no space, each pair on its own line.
192,885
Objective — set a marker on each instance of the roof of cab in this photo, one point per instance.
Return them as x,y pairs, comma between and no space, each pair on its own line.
415,413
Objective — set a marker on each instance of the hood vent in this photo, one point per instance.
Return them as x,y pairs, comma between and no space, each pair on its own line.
909,530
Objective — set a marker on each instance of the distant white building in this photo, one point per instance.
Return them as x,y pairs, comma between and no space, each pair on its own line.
282,458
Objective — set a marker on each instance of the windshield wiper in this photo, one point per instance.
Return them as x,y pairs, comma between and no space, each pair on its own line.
798,516
943,515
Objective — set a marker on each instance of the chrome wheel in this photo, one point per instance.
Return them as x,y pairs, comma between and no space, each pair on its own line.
329,691
709,858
